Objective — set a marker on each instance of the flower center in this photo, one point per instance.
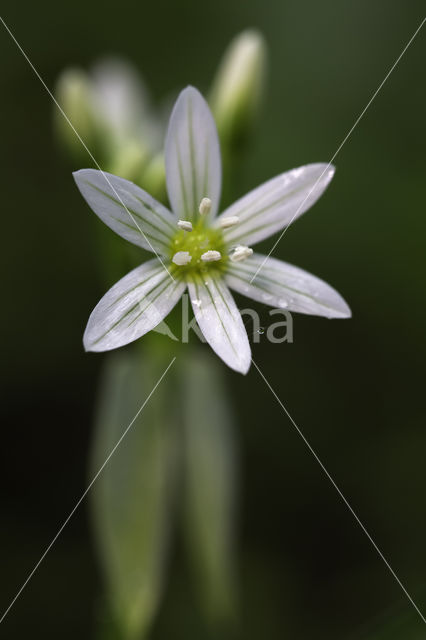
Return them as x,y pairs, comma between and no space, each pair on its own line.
200,250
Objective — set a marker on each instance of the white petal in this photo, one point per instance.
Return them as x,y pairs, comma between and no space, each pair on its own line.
276,203
127,209
193,165
220,321
283,285
132,307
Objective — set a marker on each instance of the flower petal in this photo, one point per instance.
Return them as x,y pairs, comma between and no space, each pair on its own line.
276,203
220,321
127,209
132,307
193,165
283,285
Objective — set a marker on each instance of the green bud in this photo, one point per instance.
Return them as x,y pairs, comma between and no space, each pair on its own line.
153,178
238,86
73,93
129,160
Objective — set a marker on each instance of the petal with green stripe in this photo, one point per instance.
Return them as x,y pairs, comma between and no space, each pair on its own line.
220,321
283,285
193,164
276,203
133,306
127,209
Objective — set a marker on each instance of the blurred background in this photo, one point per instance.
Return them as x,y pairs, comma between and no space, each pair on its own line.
355,388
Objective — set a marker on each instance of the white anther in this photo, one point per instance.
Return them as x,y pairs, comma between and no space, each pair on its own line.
229,221
182,258
211,256
185,225
205,206
241,252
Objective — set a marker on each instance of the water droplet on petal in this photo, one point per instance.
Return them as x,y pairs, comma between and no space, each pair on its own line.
261,330
196,302
283,304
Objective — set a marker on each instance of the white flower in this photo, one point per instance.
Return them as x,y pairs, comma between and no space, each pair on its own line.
143,298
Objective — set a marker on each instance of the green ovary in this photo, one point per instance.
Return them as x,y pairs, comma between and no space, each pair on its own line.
197,242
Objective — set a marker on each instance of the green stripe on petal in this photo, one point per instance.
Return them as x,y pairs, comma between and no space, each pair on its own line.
220,321
276,203
193,165
127,209
279,284
133,306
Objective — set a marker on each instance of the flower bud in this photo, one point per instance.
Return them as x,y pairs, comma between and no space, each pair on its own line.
129,160
153,178
74,95
237,88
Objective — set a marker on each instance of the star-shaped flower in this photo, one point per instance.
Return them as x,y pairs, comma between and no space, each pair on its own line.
198,250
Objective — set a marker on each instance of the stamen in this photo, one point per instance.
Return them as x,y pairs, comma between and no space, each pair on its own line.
211,256
229,221
205,206
241,252
182,258
185,225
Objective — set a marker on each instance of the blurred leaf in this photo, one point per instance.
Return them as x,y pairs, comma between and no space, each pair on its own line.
133,497
209,483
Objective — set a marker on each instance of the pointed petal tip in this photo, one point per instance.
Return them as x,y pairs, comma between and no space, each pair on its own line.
245,369
87,343
343,313
81,173
326,167
347,314
188,91
240,367
191,89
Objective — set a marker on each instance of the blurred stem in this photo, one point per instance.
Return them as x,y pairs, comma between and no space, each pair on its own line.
132,501
210,471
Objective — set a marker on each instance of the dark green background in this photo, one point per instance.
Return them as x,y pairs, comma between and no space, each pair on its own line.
355,388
